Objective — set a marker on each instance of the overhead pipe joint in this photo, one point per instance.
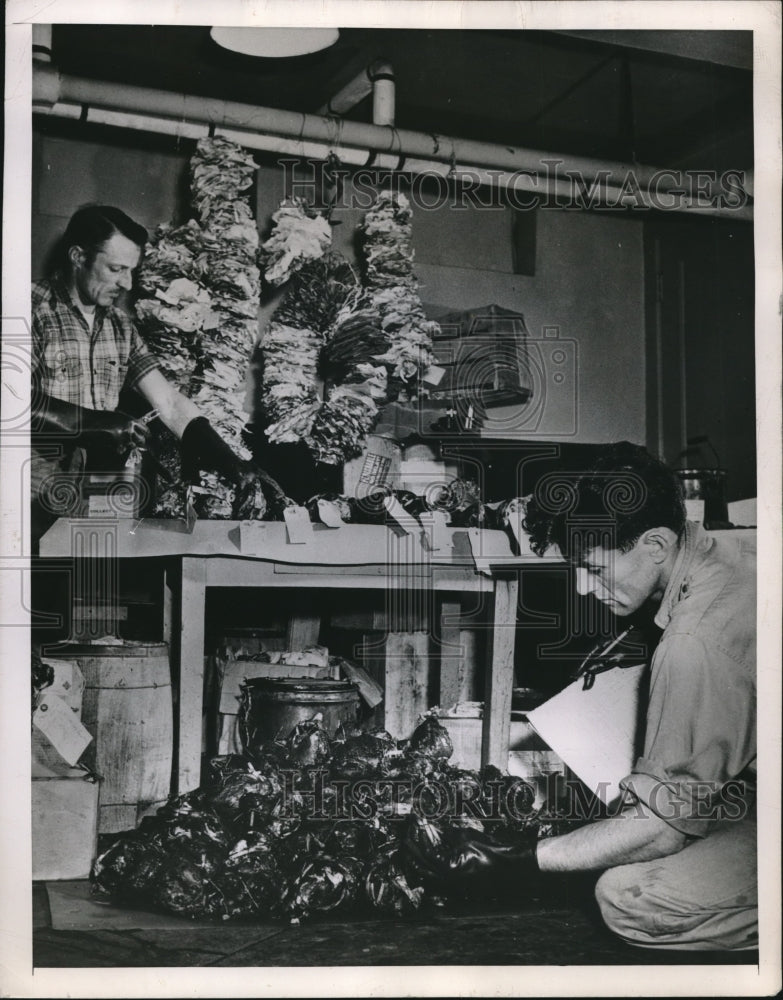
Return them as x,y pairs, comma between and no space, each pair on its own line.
42,43
376,78
47,85
381,75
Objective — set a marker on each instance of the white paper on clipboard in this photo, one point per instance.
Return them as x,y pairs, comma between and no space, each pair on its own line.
595,731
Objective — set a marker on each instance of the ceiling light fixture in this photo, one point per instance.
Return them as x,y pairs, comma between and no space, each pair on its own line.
275,43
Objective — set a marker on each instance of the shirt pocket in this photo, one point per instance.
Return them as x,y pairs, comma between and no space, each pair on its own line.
108,377
63,372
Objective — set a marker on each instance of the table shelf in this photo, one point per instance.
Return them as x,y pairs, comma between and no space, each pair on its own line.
224,554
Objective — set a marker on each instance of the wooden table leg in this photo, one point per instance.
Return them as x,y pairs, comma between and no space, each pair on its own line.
500,676
168,606
191,674
451,654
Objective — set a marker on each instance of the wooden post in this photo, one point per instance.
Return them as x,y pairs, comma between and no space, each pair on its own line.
408,644
303,631
451,654
458,656
500,676
191,674
168,607
407,677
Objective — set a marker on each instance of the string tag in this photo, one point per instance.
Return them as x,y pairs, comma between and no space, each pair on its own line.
330,514
298,525
436,530
61,726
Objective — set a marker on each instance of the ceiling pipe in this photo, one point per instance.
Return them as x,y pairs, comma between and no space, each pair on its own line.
383,93
50,86
524,190
42,42
348,96
376,78
354,143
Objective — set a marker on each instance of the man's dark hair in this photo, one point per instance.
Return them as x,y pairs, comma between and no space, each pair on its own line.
90,227
624,493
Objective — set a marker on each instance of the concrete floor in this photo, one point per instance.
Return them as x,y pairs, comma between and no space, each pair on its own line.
562,929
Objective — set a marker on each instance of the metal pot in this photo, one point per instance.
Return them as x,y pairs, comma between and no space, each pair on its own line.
271,708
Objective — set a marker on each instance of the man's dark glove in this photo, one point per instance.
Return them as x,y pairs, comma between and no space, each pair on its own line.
462,860
110,430
204,448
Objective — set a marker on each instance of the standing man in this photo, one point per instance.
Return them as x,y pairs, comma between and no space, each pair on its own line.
86,349
679,859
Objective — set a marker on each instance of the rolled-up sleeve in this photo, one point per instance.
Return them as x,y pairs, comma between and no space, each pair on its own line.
700,733
140,359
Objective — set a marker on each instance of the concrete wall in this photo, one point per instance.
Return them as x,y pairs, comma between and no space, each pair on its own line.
583,306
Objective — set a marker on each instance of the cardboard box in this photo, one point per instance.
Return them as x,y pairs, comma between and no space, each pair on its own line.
529,757
377,466
64,825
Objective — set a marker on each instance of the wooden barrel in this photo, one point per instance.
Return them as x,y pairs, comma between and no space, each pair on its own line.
127,707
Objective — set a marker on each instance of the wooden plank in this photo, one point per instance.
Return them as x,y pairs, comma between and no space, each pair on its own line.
191,675
304,624
168,606
360,621
64,826
407,675
372,656
352,545
451,654
370,690
500,676
459,657
467,680
104,613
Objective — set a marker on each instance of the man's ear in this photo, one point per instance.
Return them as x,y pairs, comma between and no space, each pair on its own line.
659,543
76,256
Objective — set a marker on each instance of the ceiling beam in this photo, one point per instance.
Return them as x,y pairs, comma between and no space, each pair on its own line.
690,138
722,48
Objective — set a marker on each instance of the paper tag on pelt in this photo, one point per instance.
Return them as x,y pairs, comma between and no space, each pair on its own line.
330,514
433,375
61,727
298,525
68,683
436,530
480,559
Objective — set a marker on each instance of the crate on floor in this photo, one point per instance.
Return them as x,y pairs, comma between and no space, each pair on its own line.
64,823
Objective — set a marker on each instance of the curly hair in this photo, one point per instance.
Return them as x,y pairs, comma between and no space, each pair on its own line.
625,491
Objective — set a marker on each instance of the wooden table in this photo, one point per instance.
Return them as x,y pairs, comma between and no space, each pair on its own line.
258,554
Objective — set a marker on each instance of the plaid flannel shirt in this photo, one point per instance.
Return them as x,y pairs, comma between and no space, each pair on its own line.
78,366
